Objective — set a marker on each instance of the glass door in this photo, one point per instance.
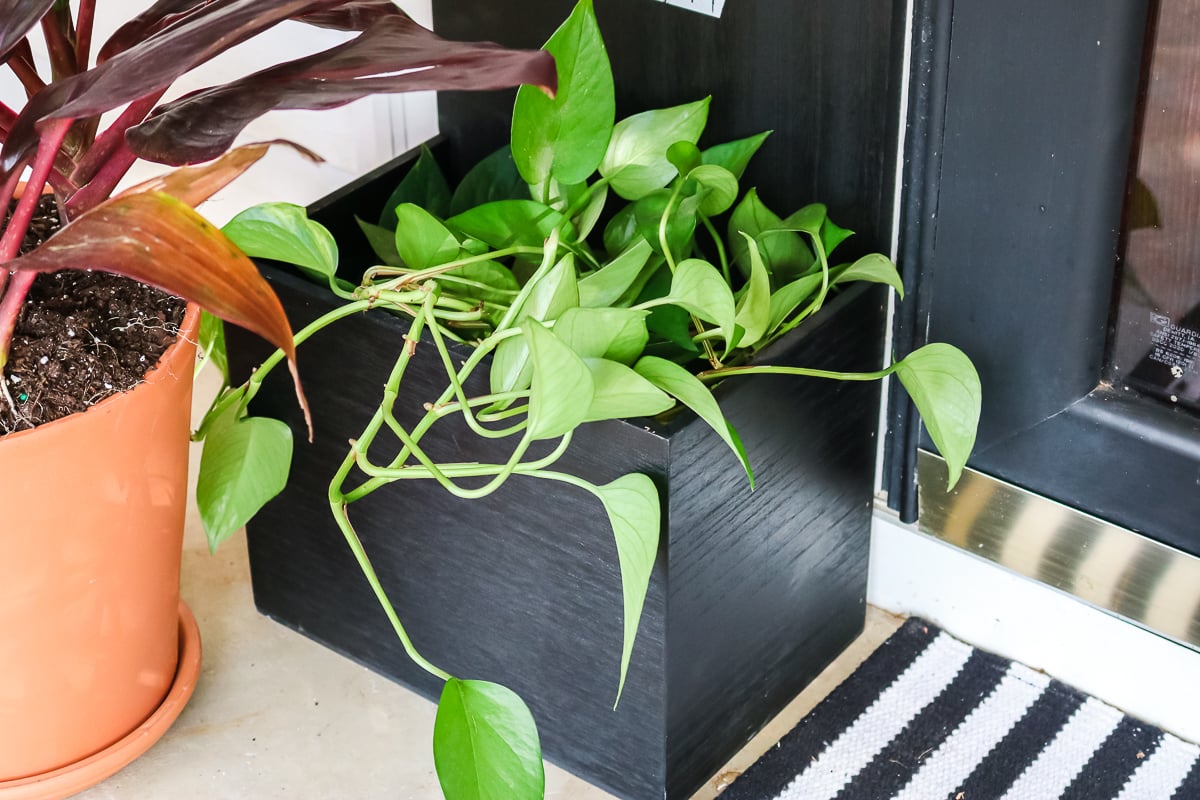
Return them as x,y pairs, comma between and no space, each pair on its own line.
1051,228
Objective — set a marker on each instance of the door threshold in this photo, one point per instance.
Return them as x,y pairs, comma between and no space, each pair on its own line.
1145,674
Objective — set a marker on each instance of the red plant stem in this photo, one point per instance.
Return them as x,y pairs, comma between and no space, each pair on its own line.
7,118
6,196
100,187
58,44
83,32
14,231
26,74
111,140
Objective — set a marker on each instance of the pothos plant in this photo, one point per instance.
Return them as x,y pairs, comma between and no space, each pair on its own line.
151,233
573,324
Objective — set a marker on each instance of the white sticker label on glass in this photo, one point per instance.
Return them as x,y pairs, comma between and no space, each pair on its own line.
712,8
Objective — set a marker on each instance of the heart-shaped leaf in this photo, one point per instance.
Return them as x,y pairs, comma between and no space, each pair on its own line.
689,390
486,280
684,156
494,178
549,294
681,221
423,185
735,156
506,223
874,268
945,388
699,287
565,137
832,235
210,346
421,239
614,280
809,219
754,307
561,391
621,231
620,393
485,744
283,232
789,297
633,509
719,188
382,241
784,253
244,464
617,334
636,160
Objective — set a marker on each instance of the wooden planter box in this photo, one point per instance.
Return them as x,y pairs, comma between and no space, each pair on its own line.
752,595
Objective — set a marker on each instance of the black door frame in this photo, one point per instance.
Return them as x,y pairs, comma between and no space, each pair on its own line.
1021,123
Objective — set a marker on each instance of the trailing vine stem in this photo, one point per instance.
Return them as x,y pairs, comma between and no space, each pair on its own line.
339,506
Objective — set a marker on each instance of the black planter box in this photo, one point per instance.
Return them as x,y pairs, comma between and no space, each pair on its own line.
752,594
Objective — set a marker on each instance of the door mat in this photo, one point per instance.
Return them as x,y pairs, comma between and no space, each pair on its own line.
927,717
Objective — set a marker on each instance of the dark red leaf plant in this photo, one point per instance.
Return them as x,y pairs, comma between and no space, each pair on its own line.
151,233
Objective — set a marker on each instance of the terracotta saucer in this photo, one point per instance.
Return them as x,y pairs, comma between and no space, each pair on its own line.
68,780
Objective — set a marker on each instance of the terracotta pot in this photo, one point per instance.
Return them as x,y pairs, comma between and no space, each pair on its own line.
91,529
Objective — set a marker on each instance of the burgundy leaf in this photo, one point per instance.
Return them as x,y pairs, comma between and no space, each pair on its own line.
17,18
151,21
393,55
148,67
194,185
159,240
354,15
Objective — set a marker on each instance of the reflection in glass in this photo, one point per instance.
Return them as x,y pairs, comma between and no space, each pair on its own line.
1156,339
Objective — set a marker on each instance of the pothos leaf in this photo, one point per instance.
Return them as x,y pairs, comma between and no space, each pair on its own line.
494,178
620,392
636,160
485,744
754,307
283,232
945,388
423,185
735,156
421,239
873,268
618,334
699,287
632,505
211,346
610,283
562,388
565,137
689,390
245,462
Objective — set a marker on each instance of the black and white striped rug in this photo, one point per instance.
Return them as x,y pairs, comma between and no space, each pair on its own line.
927,717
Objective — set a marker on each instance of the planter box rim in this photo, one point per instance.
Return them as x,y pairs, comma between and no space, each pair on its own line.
662,426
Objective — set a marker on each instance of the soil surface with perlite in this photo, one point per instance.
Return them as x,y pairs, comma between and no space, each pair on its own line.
81,337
